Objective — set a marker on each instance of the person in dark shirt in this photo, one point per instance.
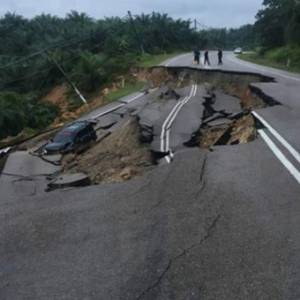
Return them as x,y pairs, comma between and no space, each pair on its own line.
220,57
206,58
197,56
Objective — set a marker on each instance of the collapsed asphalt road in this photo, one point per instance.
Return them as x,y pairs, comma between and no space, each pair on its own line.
219,224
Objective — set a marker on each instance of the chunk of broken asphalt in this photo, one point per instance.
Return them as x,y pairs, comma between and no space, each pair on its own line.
69,180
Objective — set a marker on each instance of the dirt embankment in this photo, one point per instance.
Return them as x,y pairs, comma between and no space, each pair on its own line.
119,157
241,131
60,98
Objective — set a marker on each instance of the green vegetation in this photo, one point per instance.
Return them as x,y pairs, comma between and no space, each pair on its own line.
93,53
128,89
278,35
20,111
278,23
285,58
223,38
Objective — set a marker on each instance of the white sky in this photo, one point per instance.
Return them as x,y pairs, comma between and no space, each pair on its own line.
215,13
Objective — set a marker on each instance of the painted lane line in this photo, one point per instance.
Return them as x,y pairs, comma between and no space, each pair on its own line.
108,111
168,159
169,124
133,99
165,131
166,122
192,94
118,106
282,158
4,150
162,135
165,128
286,144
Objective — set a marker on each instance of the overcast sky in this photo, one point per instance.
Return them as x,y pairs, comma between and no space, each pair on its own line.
216,13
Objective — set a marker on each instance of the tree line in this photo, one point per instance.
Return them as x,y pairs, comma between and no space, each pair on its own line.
93,52
278,23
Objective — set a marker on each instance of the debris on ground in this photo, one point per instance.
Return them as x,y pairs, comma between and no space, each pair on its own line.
69,180
240,131
129,139
210,136
119,157
243,131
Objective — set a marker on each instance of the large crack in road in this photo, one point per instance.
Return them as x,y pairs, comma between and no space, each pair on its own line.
185,108
219,222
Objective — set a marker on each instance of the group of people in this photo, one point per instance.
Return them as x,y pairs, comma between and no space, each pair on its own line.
197,55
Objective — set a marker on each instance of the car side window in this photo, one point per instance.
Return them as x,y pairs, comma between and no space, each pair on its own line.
85,131
78,137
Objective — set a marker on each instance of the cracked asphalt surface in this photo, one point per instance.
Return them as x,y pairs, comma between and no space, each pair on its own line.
210,225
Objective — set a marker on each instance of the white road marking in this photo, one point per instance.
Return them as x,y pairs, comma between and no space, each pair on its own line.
262,68
172,118
118,106
162,135
286,144
282,158
5,150
192,94
108,111
165,131
168,159
134,98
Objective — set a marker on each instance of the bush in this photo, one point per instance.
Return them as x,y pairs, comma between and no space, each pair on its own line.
20,111
285,55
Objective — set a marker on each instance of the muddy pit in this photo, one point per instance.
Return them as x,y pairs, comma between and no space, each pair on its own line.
126,153
119,157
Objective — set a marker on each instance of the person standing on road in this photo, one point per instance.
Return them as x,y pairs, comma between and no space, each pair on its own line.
196,56
220,57
206,58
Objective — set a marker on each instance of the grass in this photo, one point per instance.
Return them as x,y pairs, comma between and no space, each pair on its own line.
265,61
127,90
145,61
148,61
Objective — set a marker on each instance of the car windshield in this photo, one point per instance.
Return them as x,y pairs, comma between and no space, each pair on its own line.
64,136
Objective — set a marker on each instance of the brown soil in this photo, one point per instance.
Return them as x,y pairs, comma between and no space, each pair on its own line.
210,136
117,158
58,96
241,131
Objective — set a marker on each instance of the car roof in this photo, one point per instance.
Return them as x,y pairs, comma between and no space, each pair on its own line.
76,126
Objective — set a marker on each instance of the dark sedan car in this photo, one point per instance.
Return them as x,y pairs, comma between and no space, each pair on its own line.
71,138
